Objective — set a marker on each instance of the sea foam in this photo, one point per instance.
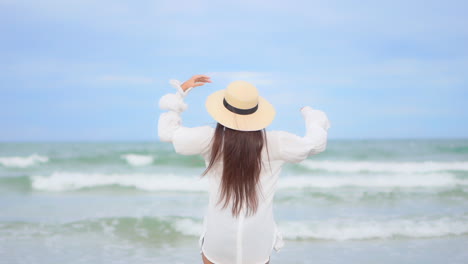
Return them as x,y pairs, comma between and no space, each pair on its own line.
357,229
63,181
375,166
336,229
23,162
372,181
137,159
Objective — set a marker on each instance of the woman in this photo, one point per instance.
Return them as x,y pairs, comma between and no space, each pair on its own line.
243,163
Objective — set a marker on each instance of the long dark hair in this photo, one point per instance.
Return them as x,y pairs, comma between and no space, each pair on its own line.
240,152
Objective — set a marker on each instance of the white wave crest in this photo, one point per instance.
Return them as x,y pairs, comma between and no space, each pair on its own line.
355,229
23,162
63,181
374,166
338,229
188,226
137,159
382,181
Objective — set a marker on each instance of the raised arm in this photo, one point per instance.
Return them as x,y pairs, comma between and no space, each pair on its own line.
293,148
187,141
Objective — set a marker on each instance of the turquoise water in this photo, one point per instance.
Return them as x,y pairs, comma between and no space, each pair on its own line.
361,201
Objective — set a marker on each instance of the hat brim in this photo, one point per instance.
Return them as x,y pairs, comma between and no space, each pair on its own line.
256,121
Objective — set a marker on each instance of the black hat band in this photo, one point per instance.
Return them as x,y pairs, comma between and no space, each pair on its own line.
238,110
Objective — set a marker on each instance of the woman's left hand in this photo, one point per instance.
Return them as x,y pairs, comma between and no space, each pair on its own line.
195,81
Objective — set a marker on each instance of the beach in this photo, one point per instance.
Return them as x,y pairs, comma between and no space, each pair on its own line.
361,201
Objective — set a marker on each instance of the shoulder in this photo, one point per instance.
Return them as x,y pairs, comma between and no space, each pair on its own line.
273,142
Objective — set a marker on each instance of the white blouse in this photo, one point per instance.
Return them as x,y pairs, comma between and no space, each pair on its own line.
246,239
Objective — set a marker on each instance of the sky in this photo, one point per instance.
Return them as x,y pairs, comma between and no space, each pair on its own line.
83,70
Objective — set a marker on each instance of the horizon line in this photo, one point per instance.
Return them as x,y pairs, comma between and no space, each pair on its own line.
158,141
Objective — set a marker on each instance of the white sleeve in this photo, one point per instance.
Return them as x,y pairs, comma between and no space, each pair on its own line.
187,141
294,149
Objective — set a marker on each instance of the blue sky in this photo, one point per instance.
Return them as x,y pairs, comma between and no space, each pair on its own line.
95,70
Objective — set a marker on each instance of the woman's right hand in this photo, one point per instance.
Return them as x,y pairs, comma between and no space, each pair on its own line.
195,81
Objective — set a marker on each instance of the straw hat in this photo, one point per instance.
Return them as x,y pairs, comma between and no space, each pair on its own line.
239,107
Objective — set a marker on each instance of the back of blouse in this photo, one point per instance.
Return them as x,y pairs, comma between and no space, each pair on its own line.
224,238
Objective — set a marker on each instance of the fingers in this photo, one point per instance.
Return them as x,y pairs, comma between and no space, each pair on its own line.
201,78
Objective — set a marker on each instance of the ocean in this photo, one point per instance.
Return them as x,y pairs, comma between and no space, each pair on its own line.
360,201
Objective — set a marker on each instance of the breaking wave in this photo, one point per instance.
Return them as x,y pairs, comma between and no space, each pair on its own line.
65,181
358,229
394,167
380,181
172,227
23,162
137,159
